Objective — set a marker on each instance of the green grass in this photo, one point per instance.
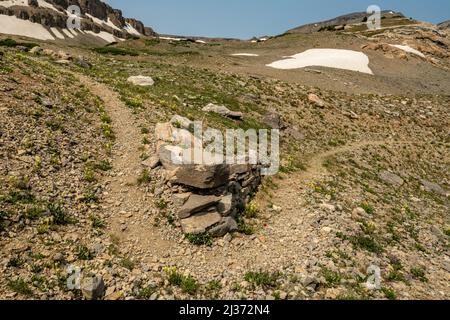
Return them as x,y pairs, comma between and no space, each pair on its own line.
245,228
395,275
213,285
389,293
127,263
144,177
419,273
187,283
145,293
34,212
10,43
367,243
14,262
332,278
262,279
3,216
83,253
367,208
103,165
20,286
96,222
161,204
115,51
251,210
60,217
90,196
203,239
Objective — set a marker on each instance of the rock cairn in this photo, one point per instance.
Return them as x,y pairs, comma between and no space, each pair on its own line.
207,197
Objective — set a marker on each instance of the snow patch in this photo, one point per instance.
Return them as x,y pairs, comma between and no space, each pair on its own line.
57,34
408,49
331,58
19,27
245,55
72,31
170,39
67,33
112,25
129,28
108,37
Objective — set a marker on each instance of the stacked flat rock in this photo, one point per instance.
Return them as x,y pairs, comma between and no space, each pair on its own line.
212,192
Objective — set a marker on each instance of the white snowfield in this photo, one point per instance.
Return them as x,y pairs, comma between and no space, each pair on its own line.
245,55
170,39
15,26
57,34
408,49
331,58
67,33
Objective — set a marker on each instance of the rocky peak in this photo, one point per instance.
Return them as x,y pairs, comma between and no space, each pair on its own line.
97,16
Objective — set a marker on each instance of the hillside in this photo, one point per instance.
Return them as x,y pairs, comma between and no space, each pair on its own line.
364,179
47,20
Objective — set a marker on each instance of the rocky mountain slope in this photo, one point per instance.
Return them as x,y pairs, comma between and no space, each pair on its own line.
86,190
97,20
444,25
348,19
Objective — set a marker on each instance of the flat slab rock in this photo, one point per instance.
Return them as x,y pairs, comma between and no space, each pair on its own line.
142,81
391,178
200,222
196,203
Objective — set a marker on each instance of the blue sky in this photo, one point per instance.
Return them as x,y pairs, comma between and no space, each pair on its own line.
247,18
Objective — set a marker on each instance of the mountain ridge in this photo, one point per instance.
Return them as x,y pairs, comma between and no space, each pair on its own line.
96,16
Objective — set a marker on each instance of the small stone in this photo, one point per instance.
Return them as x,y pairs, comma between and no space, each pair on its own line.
313,98
225,205
151,162
328,207
181,122
226,225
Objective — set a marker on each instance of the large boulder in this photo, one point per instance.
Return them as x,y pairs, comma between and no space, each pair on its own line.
223,111
93,287
142,81
433,187
391,178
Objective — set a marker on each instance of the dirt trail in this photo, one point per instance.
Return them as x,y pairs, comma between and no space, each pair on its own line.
290,238
128,206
